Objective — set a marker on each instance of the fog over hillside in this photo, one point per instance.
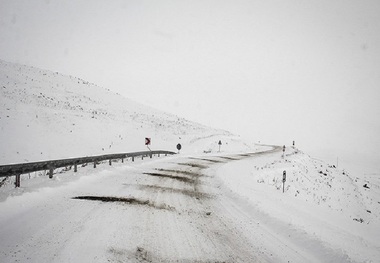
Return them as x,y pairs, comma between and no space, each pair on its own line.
46,115
231,81
320,214
271,71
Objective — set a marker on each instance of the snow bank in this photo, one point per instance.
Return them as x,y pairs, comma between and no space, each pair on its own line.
320,200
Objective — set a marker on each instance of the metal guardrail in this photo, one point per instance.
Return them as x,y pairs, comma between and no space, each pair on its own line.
23,168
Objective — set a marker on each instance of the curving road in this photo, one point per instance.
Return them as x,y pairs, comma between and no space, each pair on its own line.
166,210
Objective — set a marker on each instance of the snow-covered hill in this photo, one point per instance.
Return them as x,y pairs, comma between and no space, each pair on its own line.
46,115
324,215
320,203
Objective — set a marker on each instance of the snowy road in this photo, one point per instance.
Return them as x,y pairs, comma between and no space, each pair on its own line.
166,210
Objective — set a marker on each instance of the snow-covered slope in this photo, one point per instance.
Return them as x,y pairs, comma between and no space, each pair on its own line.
46,115
324,214
319,201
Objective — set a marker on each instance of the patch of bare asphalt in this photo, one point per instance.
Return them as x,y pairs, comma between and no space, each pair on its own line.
192,174
229,158
195,165
245,155
175,177
208,160
128,200
191,193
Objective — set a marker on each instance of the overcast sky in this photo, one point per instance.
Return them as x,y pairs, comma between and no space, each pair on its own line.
271,71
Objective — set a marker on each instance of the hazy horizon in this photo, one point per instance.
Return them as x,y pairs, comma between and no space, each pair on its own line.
270,71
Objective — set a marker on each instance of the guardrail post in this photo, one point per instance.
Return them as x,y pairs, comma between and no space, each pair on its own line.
75,168
18,180
110,162
51,170
133,158
142,157
151,155
94,164
122,160
158,155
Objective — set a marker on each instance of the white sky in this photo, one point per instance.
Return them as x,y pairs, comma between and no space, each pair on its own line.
271,71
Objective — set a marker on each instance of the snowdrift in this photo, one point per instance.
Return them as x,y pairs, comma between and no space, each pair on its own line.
319,201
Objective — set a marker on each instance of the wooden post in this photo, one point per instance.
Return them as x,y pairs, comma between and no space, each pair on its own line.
133,158
51,170
142,157
110,162
158,155
94,164
122,160
18,180
75,168
150,155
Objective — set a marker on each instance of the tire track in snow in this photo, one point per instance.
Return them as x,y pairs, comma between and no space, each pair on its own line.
197,229
197,226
